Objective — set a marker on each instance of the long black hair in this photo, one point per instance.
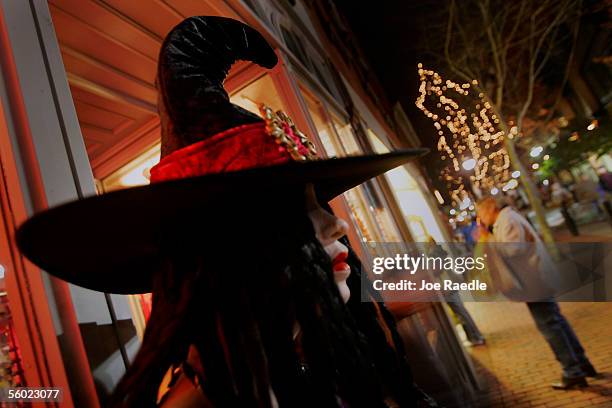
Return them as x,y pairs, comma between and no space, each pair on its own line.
236,287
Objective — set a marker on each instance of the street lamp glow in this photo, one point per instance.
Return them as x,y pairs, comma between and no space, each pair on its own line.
494,191
439,197
593,124
516,174
469,164
465,203
535,166
545,182
510,185
536,151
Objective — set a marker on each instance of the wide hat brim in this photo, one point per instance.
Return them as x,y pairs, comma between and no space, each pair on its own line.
111,242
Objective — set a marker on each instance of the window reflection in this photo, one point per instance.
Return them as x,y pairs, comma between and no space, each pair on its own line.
371,216
325,129
413,204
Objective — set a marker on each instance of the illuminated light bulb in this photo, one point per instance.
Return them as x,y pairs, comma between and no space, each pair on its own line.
439,197
494,191
574,136
469,164
546,157
535,166
536,151
453,211
545,182
593,124
510,185
516,174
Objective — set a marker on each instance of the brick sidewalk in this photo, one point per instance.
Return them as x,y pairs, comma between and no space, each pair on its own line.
516,366
594,232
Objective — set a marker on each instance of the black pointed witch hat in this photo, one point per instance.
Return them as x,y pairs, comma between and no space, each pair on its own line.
211,151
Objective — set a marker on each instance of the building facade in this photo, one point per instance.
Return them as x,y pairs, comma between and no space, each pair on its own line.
78,117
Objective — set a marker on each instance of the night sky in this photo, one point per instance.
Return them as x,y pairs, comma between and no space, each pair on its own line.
390,35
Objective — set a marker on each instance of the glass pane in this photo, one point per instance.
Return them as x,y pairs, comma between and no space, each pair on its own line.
345,133
388,229
259,91
413,204
360,210
333,148
377,144
373,221
135,173
107,338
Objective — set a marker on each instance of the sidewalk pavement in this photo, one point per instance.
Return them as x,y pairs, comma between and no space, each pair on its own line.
595,232
516,366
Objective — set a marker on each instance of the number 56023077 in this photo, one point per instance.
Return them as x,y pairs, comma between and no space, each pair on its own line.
31,394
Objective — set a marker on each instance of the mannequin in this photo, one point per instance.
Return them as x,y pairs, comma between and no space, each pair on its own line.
252,278
276,277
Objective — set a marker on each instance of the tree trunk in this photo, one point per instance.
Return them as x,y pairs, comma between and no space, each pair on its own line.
532,194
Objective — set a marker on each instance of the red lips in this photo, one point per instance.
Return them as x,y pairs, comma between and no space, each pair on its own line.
339,264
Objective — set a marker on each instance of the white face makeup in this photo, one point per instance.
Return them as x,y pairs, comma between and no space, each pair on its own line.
328,229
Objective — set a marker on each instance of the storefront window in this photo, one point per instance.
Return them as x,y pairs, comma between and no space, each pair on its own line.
333,148
365,201
257,92
413,204
345,135
135,173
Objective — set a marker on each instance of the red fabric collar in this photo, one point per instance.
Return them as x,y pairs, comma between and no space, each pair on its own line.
239,148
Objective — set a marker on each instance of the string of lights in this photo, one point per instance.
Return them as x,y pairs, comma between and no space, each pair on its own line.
469,135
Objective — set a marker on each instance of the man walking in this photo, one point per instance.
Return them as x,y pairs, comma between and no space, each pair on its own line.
526,255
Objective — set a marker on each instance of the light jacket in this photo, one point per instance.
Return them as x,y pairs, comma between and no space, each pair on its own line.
520,263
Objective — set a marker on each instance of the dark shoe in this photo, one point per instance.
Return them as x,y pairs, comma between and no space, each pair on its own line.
569,383
590,371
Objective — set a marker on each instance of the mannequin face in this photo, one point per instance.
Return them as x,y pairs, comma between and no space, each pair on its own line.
328,229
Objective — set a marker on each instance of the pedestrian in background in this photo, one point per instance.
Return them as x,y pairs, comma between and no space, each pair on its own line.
528,256
563,198
453,299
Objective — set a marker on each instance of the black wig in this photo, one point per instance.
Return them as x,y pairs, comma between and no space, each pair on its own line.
238,295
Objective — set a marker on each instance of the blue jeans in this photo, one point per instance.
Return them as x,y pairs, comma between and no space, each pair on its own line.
561,337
